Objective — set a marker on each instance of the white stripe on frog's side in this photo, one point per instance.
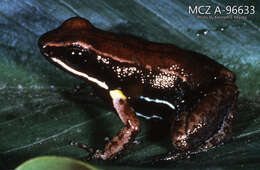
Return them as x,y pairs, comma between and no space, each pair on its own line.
65,66
149,117
158,101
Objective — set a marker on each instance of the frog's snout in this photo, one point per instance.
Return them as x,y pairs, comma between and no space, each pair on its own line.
47,44
43,47
42,42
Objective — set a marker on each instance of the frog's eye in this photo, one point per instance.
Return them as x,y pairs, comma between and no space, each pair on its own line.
75,54
74,51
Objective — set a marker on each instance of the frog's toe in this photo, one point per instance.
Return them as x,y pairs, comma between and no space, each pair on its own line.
96,155
82,146
99,154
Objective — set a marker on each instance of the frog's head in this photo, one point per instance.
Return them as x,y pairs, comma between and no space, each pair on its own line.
68,48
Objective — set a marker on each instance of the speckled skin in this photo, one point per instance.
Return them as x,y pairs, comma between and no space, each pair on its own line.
199,92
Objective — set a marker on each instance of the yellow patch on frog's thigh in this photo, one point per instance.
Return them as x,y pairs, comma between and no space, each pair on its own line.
117,94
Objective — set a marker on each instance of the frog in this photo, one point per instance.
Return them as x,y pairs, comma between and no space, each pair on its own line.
148,79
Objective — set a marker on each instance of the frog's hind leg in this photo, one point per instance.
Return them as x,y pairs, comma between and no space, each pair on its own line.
209,123
223,133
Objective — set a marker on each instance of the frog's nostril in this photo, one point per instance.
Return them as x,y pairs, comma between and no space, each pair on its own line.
43,40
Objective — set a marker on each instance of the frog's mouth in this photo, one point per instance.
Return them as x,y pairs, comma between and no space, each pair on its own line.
78,73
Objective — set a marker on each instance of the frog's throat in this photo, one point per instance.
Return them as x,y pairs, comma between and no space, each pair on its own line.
78,73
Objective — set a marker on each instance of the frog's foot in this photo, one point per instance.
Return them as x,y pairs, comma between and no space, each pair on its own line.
82,146
91,151
170,156
209,123
93,154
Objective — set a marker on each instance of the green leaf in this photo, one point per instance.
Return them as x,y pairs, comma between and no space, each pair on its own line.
40,115
54,162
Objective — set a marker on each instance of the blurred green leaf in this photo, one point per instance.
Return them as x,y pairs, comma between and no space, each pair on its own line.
54,162
40,115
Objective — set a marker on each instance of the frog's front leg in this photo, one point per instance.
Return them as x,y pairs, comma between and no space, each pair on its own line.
127,134
209,123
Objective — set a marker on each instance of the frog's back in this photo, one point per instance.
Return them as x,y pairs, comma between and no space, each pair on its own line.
190,66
